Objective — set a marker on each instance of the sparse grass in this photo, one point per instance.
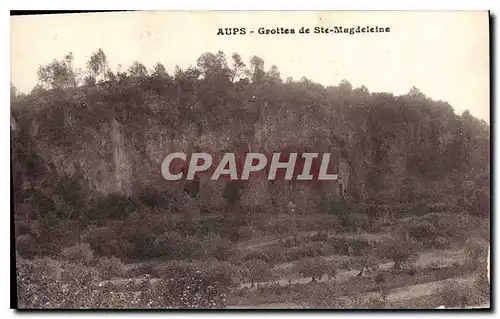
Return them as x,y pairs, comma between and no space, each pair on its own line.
454,294
51,284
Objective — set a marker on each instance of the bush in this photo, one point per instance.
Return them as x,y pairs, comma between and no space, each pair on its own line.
355,222
320,236
455,294
174,245
424,231
110,268
477,252
256,270
337,209
139,270
362,263
315,268
113,206
104,241
218,247
80,253
308,250
153,198
212,270
348,246
244,233
399,250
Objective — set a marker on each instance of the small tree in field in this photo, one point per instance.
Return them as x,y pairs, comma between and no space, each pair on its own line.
368,262
315,268
257,269
399,250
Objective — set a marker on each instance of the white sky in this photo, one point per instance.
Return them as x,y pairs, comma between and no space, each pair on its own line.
444,54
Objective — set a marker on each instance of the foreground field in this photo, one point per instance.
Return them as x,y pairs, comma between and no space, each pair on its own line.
422,285
316,267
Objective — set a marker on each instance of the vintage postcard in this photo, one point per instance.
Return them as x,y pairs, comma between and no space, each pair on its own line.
246,159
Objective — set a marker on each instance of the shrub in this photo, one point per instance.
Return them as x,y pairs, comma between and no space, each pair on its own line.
174,245
154,198
256,270
245,233
113,206
25,245
307,250
354,221
320,236
104,241
141,244
79,253
379,278
477,252
211,270
334,208
110,268
399,250
139,270
366,262
455,294
315,268
424,231
218,247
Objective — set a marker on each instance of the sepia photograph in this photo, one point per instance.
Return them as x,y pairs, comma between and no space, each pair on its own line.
250,160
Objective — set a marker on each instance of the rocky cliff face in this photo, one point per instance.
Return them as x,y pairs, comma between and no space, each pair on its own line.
116,141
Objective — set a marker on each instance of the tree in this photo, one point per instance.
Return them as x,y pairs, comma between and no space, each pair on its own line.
111,76
367,262
89,80
274,75
345,87
98,65
13,92
238,67
256,269
399,250
315,268
257,72
37,90
138,70
415,93
214,68
58,74
160,71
